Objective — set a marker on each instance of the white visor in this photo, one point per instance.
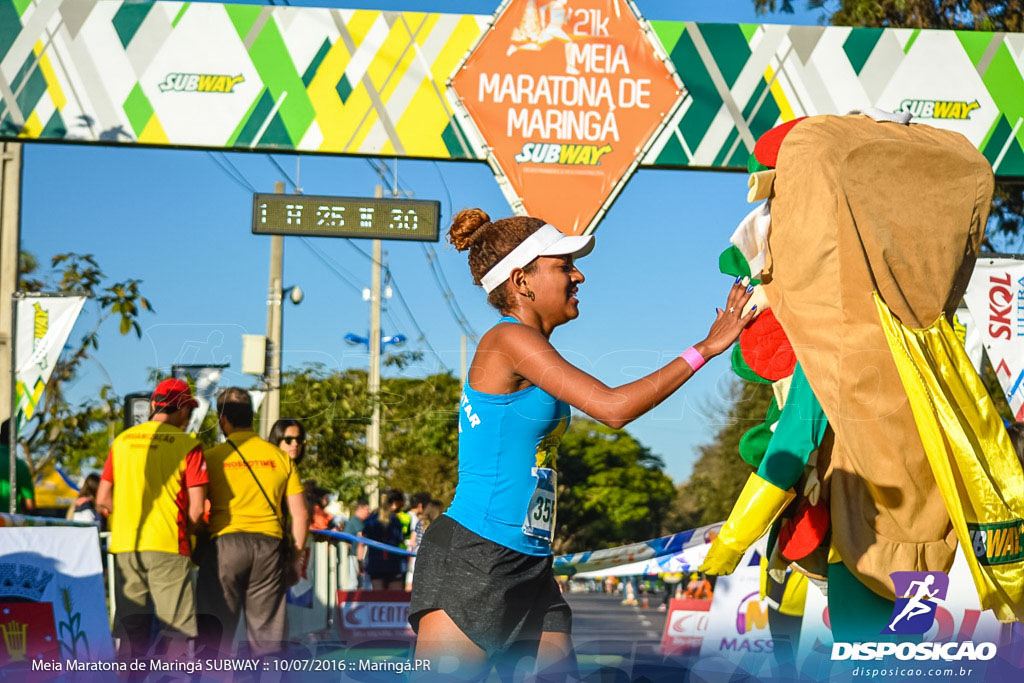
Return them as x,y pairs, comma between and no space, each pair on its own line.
547,241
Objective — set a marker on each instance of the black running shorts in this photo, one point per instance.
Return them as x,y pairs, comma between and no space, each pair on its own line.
495,595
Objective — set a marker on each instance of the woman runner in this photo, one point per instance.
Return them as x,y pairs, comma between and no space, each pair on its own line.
484,587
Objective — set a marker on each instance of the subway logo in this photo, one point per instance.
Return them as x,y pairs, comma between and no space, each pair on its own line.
181,82
939,109
998,543
565,154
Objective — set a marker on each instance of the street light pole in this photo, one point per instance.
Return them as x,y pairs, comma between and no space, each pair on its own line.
272,401
373,431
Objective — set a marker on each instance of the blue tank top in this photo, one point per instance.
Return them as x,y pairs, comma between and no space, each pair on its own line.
503,439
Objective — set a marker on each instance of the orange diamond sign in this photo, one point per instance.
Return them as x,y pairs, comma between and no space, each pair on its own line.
566,97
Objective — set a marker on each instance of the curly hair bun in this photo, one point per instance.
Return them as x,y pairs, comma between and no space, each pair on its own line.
466,228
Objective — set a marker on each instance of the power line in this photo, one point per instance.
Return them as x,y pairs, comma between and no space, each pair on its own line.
412,318
234,168
438,274
283,172
241,182
444,184
447,294
423,335
331,266
365,255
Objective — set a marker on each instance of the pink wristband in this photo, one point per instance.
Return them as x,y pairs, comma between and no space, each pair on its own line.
693,358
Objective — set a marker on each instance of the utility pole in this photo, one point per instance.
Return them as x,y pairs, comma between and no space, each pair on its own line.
272,376
10,219
373,385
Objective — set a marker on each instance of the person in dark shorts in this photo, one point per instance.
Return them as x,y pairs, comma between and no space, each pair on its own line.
386,569
484,592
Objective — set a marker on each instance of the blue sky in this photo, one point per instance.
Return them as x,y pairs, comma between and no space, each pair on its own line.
176,221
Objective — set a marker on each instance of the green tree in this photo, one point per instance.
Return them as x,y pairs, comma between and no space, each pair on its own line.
719,473
61,432
420,437
969,15
611,489
334,408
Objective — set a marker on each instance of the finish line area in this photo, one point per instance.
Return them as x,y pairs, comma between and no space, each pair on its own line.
858,425
625,628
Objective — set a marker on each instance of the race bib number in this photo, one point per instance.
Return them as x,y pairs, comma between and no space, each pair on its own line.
540,515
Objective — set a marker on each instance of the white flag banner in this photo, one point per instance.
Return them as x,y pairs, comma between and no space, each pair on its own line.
968,333
257,396
206,379
43,326
52,604
995,298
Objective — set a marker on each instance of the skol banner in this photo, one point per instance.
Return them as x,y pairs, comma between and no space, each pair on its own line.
42,325
52,604
567,99
995,298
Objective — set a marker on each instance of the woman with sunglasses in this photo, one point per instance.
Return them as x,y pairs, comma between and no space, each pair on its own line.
484,588
289,435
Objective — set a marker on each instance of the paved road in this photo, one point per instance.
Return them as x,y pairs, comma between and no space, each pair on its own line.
600,617
616,642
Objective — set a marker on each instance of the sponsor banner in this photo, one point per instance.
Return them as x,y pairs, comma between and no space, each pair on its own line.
685,627
995,297
742,80
596,560
52,602
43,324
371,615
369,82
54,489
223,76
738,629
565,98
562,97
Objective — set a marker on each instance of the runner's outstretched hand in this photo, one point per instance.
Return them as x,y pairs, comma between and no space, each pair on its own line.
730,321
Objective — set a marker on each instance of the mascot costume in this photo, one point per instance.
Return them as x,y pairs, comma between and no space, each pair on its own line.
881,450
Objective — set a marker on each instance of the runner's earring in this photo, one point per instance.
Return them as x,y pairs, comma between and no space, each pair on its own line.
529,293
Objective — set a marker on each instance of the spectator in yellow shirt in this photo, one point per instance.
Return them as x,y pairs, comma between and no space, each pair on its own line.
154,486
247,562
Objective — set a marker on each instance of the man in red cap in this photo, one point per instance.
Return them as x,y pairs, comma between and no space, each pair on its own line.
154,487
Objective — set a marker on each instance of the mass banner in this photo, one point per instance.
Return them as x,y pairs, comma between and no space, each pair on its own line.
995,298
43,324
738,619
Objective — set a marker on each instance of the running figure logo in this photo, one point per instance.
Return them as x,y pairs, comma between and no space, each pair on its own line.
916,593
